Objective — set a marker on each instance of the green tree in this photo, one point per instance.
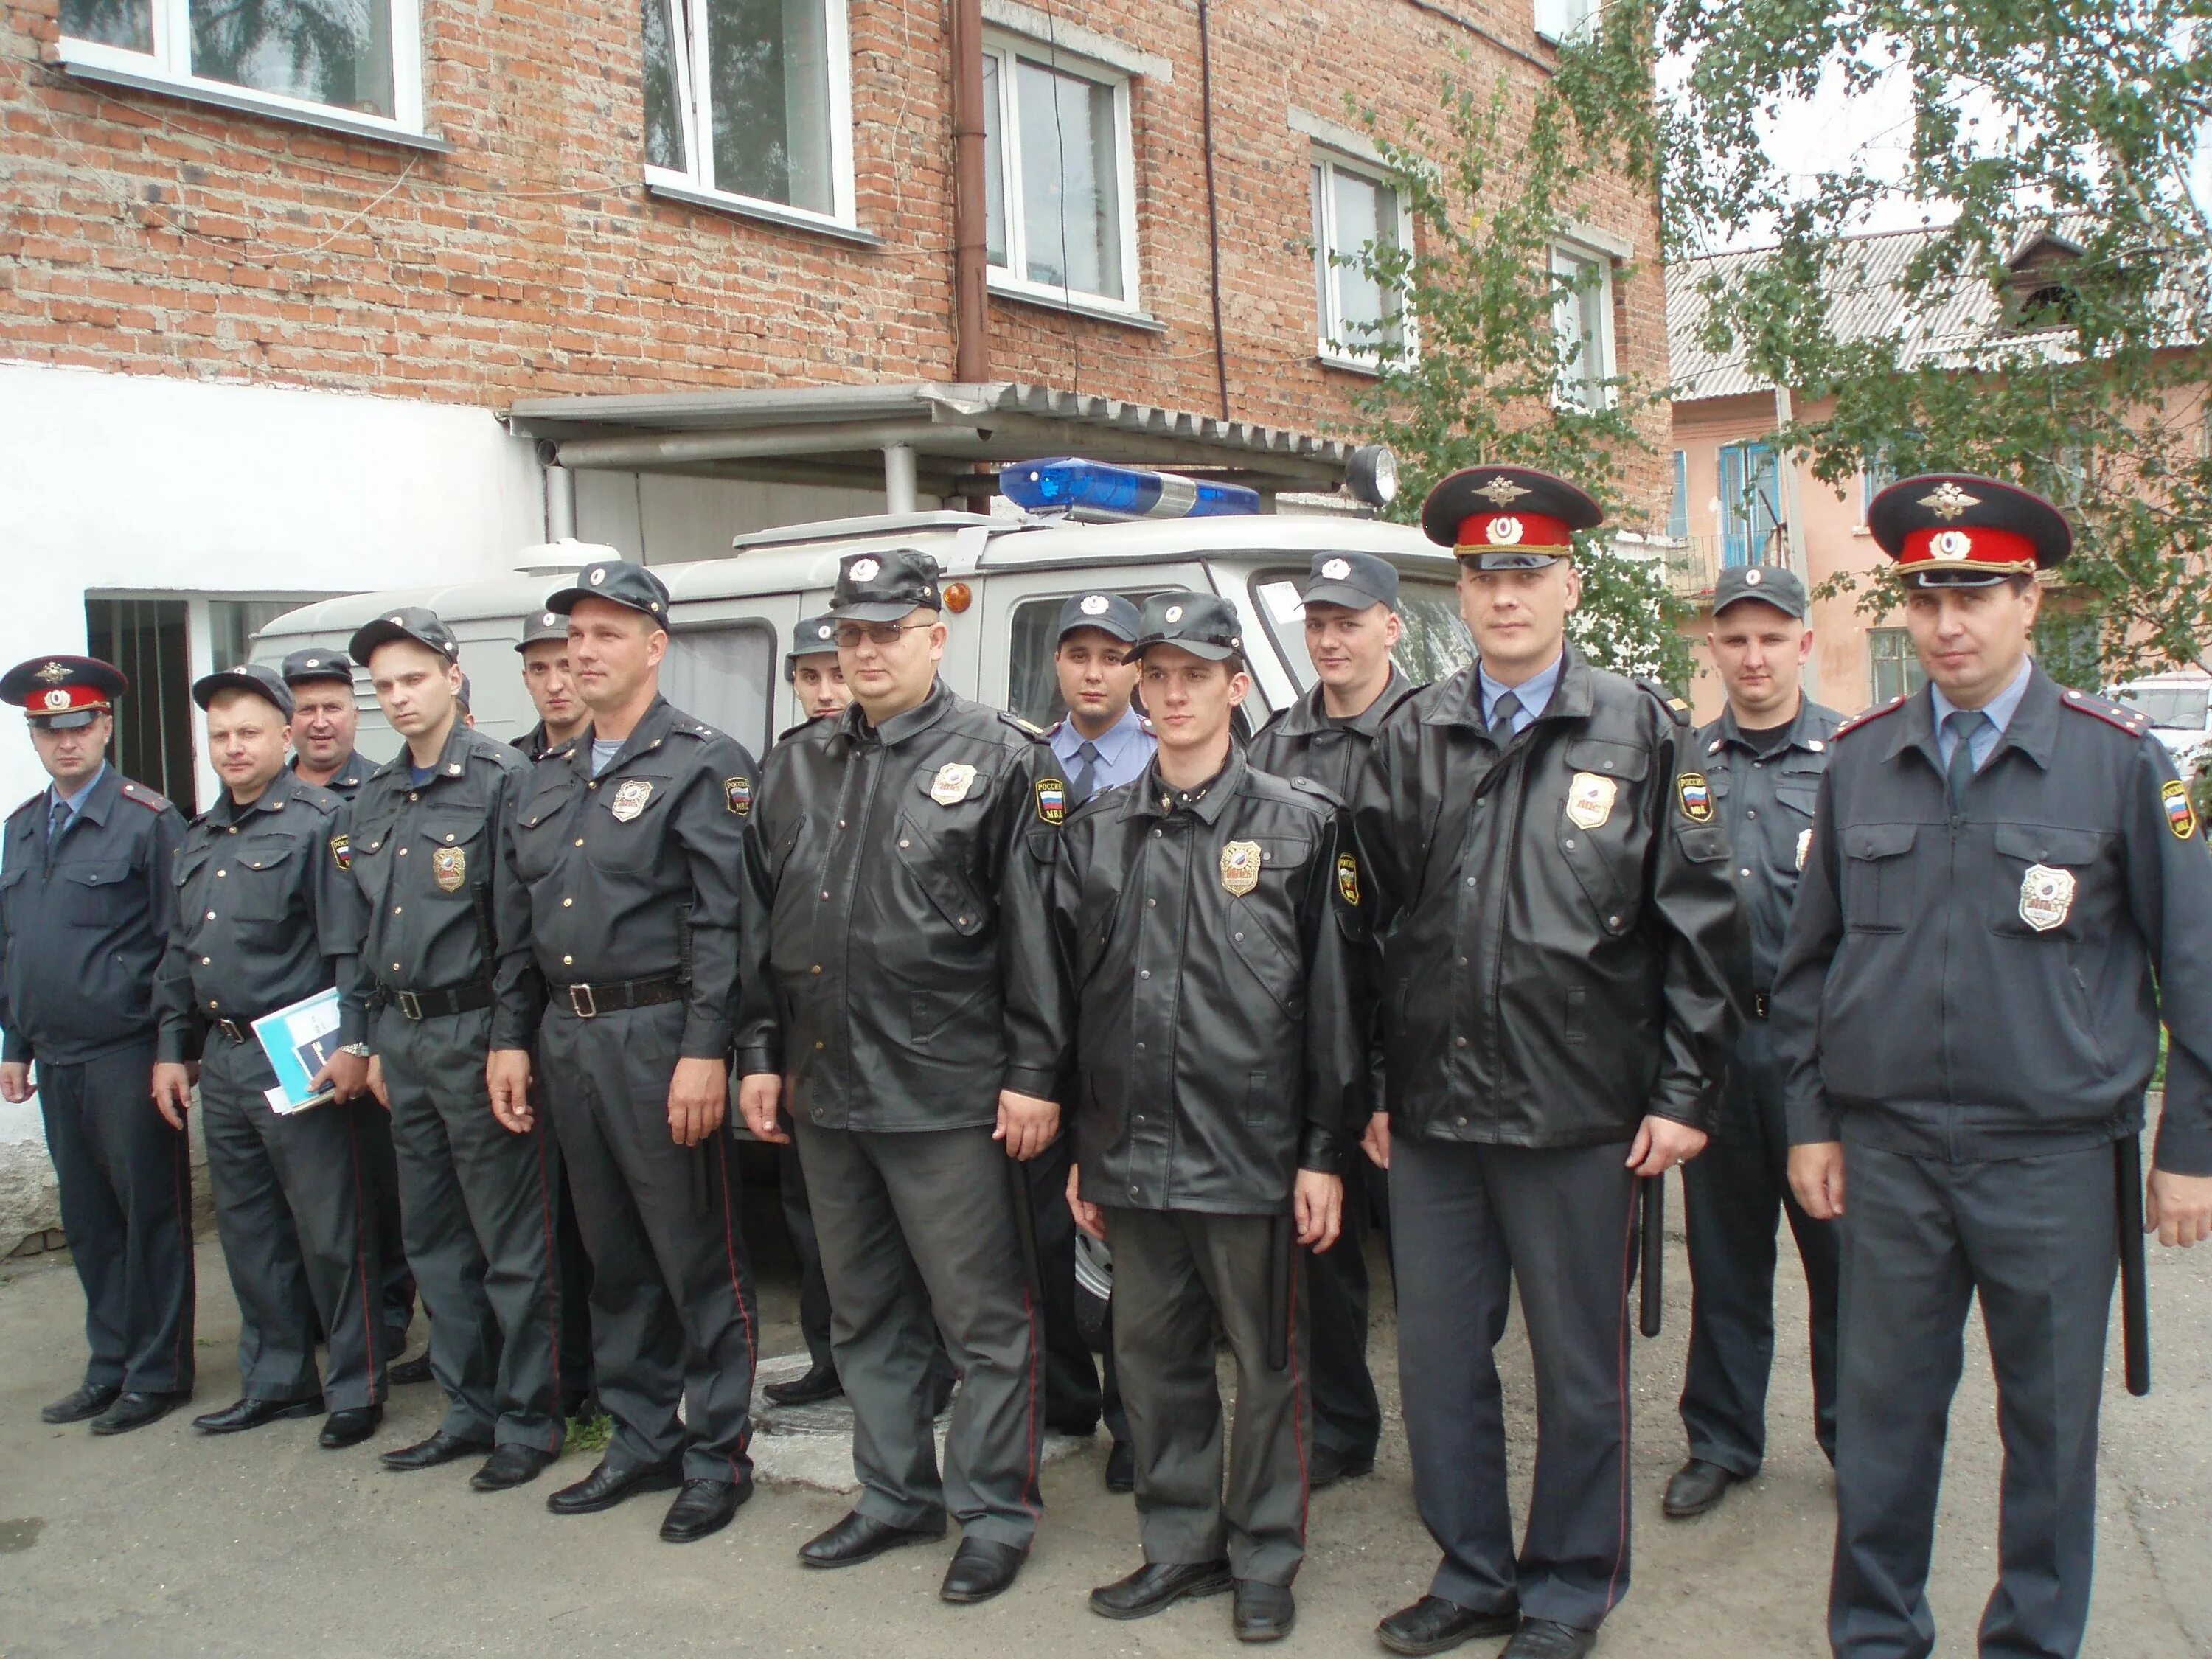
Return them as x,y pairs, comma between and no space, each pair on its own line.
1481,375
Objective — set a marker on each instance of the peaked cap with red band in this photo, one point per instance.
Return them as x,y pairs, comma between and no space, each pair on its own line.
50,690
1952,529
1507,518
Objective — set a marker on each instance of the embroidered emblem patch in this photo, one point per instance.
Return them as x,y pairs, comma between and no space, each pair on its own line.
864,570
1052,800
1804,846
1336,570
342,851
1590,799
737,795
449,868
2181,814
630,799
951,784
1094,604
2046,896
1347,878
1695,797
1240,867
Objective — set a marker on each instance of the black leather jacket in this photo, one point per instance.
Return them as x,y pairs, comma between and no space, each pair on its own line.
1214,946
1562,956
898,955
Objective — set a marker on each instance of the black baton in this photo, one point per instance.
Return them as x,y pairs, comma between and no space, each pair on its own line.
1280,1242
1018,1176
2135,1295
1652,1189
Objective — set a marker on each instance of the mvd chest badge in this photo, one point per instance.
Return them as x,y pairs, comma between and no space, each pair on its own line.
2046,897
449,868
1589,800
951,784
630,799
1240,867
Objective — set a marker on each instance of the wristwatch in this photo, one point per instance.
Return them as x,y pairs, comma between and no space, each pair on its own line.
359,1050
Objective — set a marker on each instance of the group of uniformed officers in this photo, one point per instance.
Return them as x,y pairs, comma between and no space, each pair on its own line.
1471,963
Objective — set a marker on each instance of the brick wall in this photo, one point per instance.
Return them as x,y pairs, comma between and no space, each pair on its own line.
149,234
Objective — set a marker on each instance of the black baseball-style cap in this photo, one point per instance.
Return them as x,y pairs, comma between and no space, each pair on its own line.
408,623
62,693
1355,580
884,587
543,625
1109,613
619,582
317,662
1508,517
1204,624
1954,530
813,636
1770,584
258,678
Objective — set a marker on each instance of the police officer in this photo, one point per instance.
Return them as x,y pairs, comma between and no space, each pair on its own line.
817,683
1352,626
325,724
267,917
1558,973
898,949
1100,743
618,885
475,1195
86,904
1214,957
2006,893
1762,761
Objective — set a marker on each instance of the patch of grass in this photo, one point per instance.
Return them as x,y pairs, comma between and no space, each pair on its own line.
590,1434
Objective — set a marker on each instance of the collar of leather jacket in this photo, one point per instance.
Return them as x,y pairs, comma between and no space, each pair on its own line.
853,729
1308,716
1153,797
1571,697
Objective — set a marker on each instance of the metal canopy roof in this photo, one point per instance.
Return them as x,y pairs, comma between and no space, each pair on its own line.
841,434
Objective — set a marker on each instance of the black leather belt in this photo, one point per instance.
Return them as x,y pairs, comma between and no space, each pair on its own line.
1759,1004
238,1031
430,1004
589,1001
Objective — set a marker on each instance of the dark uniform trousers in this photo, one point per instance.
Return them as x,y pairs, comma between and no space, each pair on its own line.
396,1290
479,1204
1175,1272
1734,1195
931,1211
1468,1222
1347,1416
2036,1241
1075,1396
292,1209
672,1308
813,1284
127,1180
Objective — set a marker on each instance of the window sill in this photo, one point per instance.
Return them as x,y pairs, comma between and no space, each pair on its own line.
666,188
1337,360
246,101
1059,301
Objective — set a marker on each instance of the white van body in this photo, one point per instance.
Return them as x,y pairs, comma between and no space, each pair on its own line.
2181,708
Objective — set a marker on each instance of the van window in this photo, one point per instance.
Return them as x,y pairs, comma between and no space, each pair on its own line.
1032,681
2176,707
1435,645
721,675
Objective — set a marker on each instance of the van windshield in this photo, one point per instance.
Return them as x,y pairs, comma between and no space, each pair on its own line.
1435,644
2176,707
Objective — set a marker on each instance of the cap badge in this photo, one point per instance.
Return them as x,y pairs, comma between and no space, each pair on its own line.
1052,800
594,579
1240,867
550,619
1094,604
864,570
1348,879
825,631
1503,533
53,673
449,868
1173,613
1501,489
1804,846
630,799
1950,544
399,621
56,698
1590,799
1696,797
314,662
2046,897
2180,814
951,784
1752,577
1947,500
1336,570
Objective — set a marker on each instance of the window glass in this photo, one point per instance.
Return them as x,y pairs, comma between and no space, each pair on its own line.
125,23
1751,504
1434,644
325,51
664,108
994,167
1578,310
2176,707
1678,504
767,79
1071,189
722,676
1896,668
1353,211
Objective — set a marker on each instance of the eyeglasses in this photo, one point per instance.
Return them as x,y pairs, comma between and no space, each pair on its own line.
849,634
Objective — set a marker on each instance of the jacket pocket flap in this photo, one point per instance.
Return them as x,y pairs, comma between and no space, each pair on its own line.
961,906
264,858
1878,841
105,873
2034,844
1607,759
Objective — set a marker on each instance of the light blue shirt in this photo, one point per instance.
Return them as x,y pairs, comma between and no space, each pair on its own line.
70,803
1123,753
604,751
1535,692
2000,709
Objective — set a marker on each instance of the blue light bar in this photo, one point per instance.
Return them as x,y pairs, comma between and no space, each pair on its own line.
1094,490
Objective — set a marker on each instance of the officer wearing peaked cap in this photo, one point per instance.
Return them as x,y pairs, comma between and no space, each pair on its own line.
86,904
616,909
2005,895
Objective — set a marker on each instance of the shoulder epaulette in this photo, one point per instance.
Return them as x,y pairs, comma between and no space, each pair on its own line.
1677,710
1029,729
1865,715
1307,786
145,797
2133,722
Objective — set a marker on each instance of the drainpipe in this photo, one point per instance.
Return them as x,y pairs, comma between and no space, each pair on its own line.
1212,197
559,494
898,478
971,345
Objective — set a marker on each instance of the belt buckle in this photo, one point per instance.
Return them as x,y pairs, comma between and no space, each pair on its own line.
408,1004
231,1029
1759,1004
582,1003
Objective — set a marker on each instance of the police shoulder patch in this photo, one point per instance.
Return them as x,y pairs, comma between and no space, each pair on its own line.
737,795
1695,797
1052,800
342,851
1347,878
2180,811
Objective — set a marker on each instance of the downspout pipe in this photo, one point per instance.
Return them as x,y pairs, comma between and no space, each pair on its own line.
970,320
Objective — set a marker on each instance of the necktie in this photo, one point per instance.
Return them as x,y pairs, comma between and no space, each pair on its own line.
57,817
1086,765
1964,724
1503,713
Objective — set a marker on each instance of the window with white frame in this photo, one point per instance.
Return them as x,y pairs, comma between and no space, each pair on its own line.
1563,20
1060,185
1354,210
360,57
1582,323
751,99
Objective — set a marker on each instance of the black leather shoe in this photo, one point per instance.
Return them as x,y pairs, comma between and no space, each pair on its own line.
1263,1612
603,1488
819,1383
703,1508
1432,1624
1122,1467
439,1448
980,1569
349,1427
1696,1487
860,1538
509,1467
408,1372
1546,1638
1158,1585
253,1413
1330,1466
133,1410
89,1400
